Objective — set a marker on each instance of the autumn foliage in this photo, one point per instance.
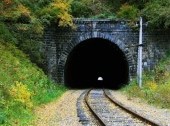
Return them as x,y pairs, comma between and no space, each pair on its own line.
23,86
24,12
57,11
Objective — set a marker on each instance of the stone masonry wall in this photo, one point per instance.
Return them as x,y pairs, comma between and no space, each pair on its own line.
60,41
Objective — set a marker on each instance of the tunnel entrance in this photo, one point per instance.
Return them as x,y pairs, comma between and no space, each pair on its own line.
96,63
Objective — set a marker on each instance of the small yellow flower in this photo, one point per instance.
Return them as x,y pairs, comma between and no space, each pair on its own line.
152,85
20,92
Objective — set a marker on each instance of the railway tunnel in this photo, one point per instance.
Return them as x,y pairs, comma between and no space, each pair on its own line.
96,63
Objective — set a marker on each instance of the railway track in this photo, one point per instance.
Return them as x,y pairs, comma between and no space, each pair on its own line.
107,112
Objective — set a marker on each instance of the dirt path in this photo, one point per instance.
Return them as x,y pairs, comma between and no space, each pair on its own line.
62,112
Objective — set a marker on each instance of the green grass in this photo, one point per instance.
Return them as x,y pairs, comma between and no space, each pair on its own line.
22,87
156,85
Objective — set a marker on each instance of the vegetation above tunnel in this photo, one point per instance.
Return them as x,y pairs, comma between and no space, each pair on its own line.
62,11
154,11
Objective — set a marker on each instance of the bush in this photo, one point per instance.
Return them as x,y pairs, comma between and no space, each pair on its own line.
128,12
5,34
57,11
79,9
94,9
157,13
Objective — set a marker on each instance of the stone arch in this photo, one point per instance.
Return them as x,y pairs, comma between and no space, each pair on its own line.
78,39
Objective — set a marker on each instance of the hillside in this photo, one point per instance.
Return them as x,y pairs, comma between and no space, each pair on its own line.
22,87
156,85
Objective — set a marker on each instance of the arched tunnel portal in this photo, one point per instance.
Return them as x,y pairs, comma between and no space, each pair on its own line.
96,63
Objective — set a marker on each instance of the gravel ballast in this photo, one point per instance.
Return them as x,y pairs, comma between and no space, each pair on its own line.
158,115
62,112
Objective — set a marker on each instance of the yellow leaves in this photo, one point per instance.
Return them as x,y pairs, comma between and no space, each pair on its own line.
58,11
61,5
19,92
23,10
152,85
13,11
65,19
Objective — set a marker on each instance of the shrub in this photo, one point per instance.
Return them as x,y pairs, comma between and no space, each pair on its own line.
57,11
79,9
128,12
5,34
157,13
94,8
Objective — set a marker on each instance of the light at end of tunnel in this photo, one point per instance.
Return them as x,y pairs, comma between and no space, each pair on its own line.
100,78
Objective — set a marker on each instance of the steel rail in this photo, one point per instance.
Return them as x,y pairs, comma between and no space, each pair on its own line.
131,111
92,111
113,101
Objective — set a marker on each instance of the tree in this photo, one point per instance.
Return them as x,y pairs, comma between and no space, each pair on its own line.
57,11
157,13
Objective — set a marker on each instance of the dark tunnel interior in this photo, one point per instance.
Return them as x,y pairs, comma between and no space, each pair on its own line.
96,63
